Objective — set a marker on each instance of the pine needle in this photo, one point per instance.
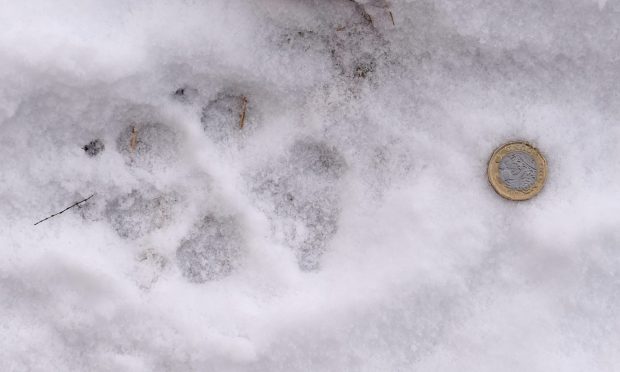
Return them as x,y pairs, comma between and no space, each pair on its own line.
242,116
64,210
133,141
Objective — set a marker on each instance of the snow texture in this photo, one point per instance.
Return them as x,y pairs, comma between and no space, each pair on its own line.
300,185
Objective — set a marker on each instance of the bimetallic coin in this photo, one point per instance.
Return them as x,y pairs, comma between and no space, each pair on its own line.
517,171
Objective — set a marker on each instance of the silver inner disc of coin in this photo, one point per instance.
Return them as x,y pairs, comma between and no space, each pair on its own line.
518,170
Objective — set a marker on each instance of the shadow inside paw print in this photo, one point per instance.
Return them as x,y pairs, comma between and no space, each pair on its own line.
302,190
134,215
228,117
212,250
148,145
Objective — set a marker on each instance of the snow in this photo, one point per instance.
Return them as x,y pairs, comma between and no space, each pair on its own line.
348,226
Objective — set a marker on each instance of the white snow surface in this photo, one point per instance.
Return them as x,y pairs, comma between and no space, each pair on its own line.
348,226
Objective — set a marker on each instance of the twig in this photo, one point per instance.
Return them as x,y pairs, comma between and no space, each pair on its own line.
242,116
64,210
133,140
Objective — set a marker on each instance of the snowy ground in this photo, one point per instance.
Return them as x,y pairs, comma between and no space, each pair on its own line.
348,226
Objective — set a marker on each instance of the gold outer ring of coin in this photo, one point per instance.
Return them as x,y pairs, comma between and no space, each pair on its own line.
496,180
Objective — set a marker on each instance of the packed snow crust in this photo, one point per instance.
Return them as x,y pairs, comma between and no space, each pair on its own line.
345,224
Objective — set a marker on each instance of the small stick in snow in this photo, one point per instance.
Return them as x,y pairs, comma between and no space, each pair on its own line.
133,141
242,116
64,210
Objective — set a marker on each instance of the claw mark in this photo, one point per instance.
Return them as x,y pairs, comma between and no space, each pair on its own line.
387,7
360,9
